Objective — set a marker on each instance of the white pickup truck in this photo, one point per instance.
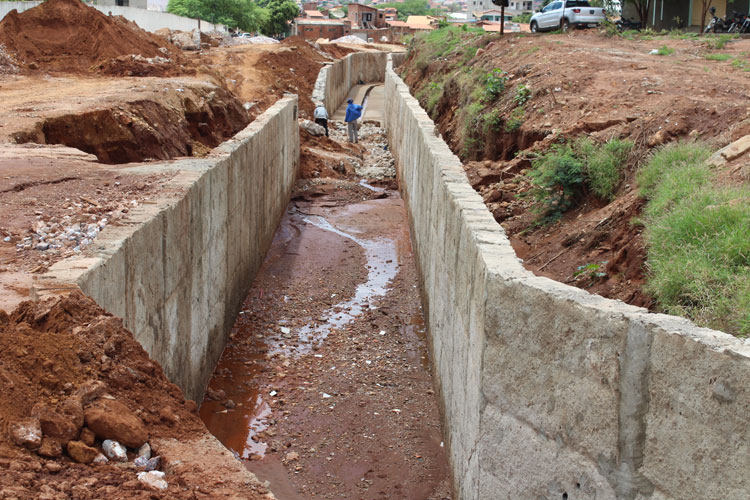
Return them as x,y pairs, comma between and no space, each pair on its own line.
562,14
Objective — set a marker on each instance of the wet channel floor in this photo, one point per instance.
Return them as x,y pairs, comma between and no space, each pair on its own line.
325,389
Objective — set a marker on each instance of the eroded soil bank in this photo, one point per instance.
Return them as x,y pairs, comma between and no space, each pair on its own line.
558,88
325,388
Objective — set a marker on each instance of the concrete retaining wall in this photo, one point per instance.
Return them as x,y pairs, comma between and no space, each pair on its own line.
179,272
148,20
549,392
335,80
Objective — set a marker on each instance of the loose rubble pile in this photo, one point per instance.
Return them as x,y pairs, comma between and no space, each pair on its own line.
257,40
349,39
378,162
8,64
78,389
69,36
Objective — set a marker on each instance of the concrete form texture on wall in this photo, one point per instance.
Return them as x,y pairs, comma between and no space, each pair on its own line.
148,20
549,392
335,80
178,272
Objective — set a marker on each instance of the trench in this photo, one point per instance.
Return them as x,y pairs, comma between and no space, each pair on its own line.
325,388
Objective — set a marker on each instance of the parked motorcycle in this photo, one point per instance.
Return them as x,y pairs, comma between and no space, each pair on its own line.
717,24
625,24
740,23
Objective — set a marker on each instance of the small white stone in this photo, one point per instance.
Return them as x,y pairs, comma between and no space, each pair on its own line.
153,478
114,451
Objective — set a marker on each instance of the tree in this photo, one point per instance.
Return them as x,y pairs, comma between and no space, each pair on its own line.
642,7
280,12
409,8
243,14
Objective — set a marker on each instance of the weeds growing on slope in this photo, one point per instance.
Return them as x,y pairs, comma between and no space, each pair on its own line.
561,175
698,238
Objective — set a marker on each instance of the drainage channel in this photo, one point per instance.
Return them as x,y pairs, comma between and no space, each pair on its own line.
324,389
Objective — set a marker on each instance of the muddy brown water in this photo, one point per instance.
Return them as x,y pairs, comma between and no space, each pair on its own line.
327,389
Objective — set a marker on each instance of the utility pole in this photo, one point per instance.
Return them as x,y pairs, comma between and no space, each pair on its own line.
502,18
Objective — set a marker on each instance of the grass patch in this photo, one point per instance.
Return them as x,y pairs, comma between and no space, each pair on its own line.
741,64
698,238
714,42
718,57
672,173
664,51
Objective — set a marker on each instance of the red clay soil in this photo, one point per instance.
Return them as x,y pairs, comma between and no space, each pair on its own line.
68,36
179,119
324,157
584,83
261,74
61,356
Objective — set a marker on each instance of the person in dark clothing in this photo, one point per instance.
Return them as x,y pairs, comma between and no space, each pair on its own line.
321,117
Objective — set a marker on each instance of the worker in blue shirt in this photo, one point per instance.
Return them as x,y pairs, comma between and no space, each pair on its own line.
353,112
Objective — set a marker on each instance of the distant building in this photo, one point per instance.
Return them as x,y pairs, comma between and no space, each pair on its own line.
313,29
424,20
515,7
364,16
140,4
312,14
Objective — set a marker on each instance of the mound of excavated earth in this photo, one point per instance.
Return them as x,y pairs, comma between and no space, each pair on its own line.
77,388
68,36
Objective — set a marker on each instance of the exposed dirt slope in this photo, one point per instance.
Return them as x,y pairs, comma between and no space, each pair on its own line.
65,355
260,74
581,84
68,36
179,121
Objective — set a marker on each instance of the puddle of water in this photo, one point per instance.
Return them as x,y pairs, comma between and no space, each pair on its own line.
382,265
250,409
241,365
415,329
371,188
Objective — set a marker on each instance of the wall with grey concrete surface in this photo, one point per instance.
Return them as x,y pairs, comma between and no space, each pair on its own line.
549,392
335,80
148,20
178,272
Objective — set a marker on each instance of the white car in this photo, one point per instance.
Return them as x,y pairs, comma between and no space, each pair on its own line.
562,14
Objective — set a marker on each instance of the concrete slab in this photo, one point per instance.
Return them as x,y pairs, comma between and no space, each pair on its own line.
375,105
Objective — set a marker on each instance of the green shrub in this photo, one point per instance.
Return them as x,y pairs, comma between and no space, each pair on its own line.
560,175
718,57
494,83
523,94
492,121
558,179
604,164
515,120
